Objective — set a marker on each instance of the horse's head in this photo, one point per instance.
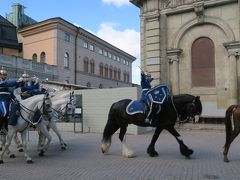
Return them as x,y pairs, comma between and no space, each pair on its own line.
191,110
46,107
70,106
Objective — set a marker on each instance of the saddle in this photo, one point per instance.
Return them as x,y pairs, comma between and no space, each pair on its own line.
156,95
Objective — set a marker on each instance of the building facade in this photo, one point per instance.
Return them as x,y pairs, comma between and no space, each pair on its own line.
81,57
193,46
8,38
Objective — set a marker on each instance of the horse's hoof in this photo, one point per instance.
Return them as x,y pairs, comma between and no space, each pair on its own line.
65,144
226,160
29,161
152,152
12,156
63,148
41,154
20,150
1,161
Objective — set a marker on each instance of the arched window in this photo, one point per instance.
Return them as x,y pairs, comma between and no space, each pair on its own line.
128,79
110,72
119,75
124,76
106,70
85,65
203,63
34,57
101,69
66,60
92,66
43,57
115,73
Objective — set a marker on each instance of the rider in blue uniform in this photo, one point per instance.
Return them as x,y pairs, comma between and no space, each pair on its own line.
146,80
6,95
31,87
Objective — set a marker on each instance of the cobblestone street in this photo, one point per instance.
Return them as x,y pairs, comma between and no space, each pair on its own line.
83,159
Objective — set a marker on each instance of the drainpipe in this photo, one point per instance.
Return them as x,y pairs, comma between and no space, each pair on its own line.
75,60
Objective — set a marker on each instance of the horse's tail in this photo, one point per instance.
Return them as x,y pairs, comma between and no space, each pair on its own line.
110,128
228,122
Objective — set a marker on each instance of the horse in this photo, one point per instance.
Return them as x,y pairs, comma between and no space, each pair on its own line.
36,106
63,105
183,108
232,127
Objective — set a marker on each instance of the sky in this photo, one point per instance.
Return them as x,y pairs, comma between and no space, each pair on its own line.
115,21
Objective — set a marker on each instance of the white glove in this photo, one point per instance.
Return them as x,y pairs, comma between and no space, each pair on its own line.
20,79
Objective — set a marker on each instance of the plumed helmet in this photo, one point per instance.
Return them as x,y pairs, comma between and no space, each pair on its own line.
3,71
25,75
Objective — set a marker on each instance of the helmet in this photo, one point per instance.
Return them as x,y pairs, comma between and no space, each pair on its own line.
149,75
3,71
25,75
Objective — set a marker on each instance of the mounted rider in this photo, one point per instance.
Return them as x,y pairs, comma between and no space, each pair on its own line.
31,86
6,96
146,80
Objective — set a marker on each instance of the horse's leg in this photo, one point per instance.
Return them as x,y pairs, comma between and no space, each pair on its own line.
109,130
43,128
151,148
7,144
24,143
185,151
126,151
53,125
2,140
233,135
18,143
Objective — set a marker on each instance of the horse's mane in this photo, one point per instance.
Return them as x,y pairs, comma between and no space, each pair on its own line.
60,94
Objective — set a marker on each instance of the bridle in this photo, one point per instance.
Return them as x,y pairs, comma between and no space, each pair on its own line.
45,110
191,116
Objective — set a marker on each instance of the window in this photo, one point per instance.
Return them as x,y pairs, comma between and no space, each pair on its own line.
91,47
101,69
66,60
105,53
203,63
85,65
119,75
67,37
110,55
100,51
114,57
92,66
106,71
127,63
124,61
124,76
118,59
110,72
85,45
34,57
115,73
43,57
128,79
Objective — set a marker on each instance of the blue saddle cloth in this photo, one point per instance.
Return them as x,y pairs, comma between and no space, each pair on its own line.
158,94
134,107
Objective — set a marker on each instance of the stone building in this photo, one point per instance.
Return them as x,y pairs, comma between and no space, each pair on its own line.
8,38
193,46
81,57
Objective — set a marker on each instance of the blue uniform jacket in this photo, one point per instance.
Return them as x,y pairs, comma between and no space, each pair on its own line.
6,95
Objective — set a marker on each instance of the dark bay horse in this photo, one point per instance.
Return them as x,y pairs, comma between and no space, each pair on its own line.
232,127
183,107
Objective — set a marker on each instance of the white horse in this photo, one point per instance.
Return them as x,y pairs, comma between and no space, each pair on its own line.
38,104
63,105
